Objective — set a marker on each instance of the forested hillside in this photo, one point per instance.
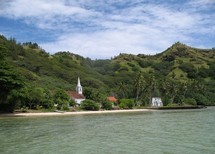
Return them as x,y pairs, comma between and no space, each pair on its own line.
29,76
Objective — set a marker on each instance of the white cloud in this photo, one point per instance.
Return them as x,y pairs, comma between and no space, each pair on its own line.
112,42
130,31
103,29
26,8
202,4
45,14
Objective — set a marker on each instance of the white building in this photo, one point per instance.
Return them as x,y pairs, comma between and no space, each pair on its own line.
77,95
156,102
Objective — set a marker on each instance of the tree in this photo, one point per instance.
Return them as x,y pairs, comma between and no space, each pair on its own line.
172,89
88,93
126,103
30,96
122,90
94,94
189,101
36,97
138,84
201,99
9,80
149,87
72,103
107,105
48,102
61,99
89,105
189,69
20,97
166,100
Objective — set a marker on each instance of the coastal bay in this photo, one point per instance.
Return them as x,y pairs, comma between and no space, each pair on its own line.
175,131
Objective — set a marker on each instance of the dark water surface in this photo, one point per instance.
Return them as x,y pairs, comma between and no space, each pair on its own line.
157,132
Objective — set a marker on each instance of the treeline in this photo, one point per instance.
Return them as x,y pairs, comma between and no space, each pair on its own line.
30,78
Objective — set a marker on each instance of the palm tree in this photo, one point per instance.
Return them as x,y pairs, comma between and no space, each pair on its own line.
151,87
172,89
122,89
138,84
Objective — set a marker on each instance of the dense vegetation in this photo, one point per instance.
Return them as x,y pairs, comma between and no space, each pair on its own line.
31,78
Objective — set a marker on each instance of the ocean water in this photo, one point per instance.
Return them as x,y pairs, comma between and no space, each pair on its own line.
156,132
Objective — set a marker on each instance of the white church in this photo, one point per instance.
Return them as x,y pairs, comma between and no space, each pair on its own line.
77,95
156,102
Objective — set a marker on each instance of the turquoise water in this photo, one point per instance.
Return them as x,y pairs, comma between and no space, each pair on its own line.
158,132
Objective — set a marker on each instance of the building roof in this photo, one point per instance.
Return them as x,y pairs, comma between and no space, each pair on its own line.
75,95
112,99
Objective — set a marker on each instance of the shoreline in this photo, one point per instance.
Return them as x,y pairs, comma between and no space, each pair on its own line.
71,113
37,114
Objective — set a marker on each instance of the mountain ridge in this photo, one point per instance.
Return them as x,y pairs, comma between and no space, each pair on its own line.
179,64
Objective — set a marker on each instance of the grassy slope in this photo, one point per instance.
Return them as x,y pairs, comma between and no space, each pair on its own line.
61,69
181,53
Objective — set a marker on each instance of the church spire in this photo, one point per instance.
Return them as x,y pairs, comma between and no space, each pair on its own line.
79,87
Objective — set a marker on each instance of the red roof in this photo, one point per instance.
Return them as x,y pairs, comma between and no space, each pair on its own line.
75,95
112,99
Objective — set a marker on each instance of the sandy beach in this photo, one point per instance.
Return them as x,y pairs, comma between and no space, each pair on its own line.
71,113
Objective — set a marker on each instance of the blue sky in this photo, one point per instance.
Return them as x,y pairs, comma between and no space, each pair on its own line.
102,29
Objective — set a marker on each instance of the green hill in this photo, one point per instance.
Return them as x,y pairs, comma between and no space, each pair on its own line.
178,73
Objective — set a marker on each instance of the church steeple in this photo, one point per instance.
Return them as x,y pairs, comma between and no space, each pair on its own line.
79,87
